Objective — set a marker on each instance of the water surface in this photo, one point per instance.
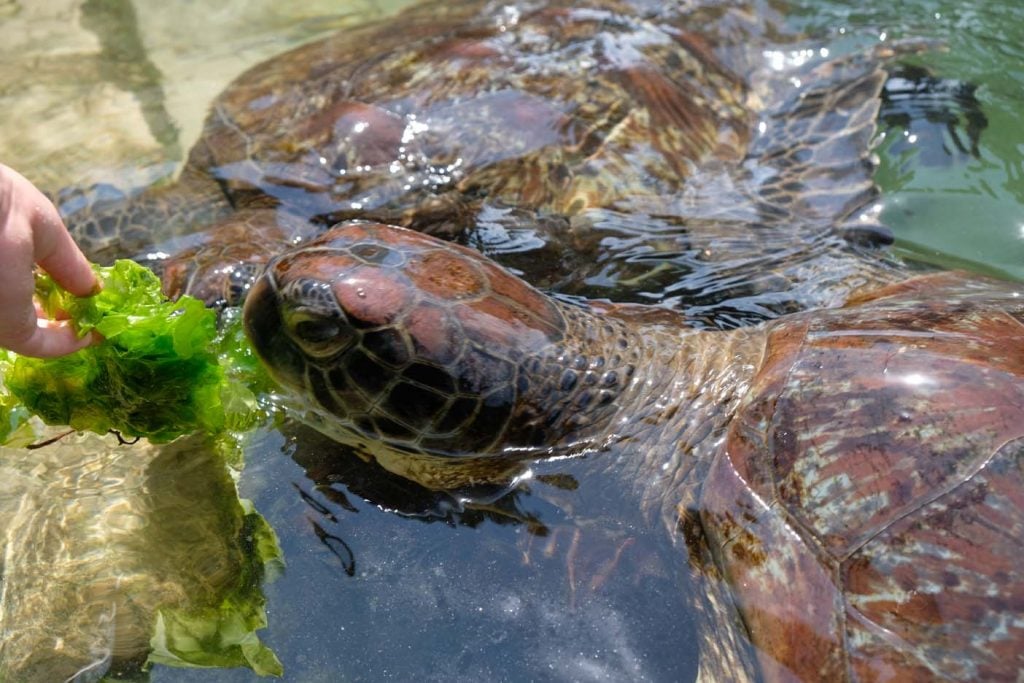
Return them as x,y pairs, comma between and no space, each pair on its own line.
385,581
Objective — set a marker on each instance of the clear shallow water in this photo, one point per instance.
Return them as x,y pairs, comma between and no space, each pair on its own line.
386,581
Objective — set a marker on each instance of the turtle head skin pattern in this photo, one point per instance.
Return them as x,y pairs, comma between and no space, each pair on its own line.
425,348
847,481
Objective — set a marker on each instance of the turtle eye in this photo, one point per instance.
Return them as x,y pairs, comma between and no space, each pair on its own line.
317,331
319,335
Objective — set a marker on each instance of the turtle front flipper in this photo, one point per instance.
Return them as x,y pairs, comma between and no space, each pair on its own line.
109,224
795,224
221,261
812,162
815,158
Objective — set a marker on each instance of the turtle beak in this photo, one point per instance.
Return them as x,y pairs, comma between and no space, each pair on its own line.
264,326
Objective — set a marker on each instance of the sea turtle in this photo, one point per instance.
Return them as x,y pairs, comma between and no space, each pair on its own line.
848,481
829,519
668,126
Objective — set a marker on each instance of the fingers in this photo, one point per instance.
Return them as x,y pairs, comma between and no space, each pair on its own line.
53,247
17,283
22,330
49,339
31,231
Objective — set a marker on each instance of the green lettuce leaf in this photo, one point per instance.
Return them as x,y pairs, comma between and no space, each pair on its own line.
162,370
13,417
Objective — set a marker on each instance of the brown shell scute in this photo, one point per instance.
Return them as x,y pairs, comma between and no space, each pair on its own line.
948,578
873,480
564,108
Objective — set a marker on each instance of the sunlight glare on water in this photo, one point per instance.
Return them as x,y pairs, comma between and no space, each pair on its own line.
951,208
422,585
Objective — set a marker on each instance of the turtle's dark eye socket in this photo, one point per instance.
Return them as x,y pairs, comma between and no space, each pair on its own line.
319,335
317,331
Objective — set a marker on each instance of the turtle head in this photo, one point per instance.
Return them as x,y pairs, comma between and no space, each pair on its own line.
396,338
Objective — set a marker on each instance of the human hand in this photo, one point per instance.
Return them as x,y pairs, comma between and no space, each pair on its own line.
32,232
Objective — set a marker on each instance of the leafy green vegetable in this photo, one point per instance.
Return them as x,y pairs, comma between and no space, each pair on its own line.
160,372
224,635
12,416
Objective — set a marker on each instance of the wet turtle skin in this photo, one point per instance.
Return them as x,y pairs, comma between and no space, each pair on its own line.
545,117
418,120
763,448
848,482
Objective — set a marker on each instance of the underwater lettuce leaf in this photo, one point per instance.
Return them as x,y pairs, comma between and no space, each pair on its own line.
224,635
160,371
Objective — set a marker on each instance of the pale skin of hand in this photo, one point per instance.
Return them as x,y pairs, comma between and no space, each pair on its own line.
32,233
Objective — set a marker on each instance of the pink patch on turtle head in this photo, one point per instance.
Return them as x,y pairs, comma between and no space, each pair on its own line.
372,296
312,265
435,334
492,322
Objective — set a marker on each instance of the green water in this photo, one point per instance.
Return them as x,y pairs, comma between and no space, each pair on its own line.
418,586
970,212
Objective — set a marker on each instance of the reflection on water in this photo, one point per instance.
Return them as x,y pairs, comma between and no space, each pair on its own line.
93,90
386,580
100,538
124,62
541,583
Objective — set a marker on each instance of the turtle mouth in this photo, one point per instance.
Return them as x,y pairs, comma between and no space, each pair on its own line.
265,328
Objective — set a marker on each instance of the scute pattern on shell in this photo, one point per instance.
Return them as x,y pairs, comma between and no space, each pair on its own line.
871,485
477,106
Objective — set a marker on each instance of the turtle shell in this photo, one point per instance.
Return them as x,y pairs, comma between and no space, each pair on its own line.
866,509
415,121
549,126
